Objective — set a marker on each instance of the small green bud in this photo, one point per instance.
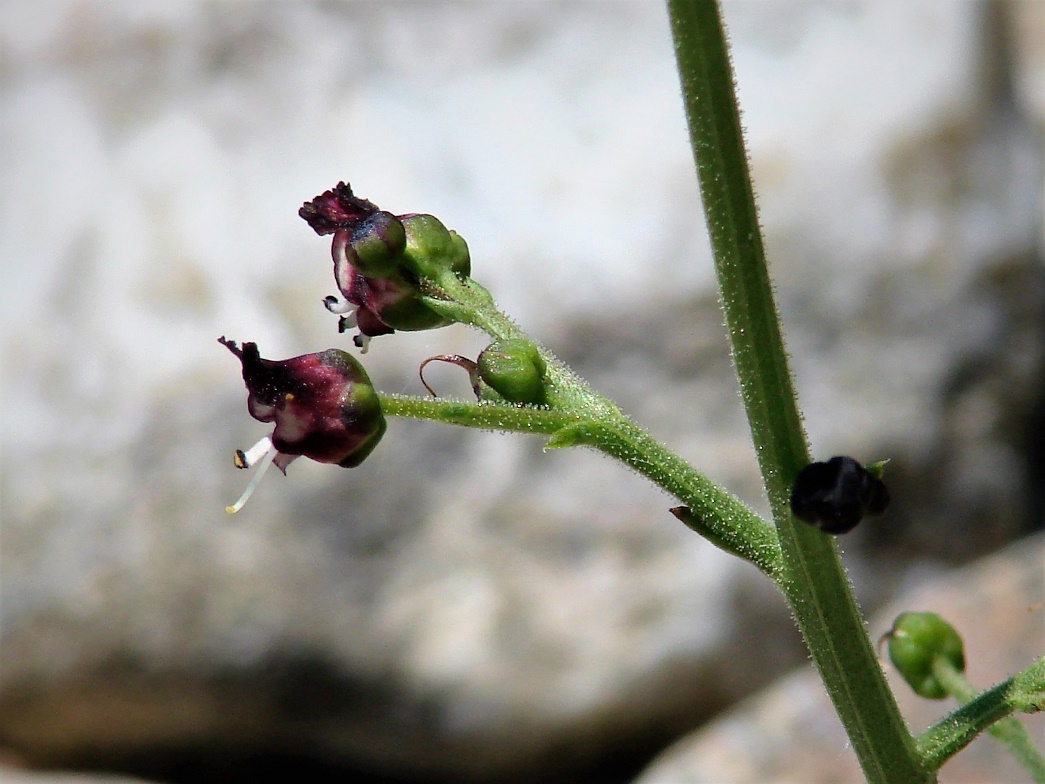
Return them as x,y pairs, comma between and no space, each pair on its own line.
378,244
514,369
916,640
509,371
432,249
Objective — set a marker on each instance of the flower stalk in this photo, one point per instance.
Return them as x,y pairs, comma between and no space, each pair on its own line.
990,711
726,520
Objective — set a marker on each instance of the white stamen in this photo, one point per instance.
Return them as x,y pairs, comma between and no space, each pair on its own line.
347,322
335,305
362,342
261,455
253,455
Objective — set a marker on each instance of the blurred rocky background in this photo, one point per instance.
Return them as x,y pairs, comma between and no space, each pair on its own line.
788,732
464,607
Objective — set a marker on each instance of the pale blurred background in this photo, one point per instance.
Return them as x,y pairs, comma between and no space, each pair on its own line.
463,606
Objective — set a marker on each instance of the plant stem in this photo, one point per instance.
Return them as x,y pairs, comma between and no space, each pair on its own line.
487,416
709,510
721,516
597,422
813,580
988,711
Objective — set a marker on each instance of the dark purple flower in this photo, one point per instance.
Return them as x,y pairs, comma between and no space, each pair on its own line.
836,494
379,261
323,405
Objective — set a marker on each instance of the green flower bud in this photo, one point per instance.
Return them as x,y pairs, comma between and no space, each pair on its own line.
917,639
432,249
514,369
509,371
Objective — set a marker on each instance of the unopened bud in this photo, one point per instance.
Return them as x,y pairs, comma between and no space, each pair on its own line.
515,370
916,641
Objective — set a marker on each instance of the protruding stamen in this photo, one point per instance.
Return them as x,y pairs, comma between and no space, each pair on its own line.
261,455
253,455
362,342
336,305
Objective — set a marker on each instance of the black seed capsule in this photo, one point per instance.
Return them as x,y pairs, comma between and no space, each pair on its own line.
834,496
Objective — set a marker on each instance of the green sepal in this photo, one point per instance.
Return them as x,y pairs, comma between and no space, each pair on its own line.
409,312
377,245
514,370
432,249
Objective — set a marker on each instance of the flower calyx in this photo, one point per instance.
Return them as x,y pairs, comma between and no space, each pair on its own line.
323,406
380,262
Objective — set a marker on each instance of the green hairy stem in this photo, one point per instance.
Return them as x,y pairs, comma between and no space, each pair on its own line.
813,580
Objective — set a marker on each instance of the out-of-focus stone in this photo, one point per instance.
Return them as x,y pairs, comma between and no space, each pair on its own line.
790,732
1024,23
10,774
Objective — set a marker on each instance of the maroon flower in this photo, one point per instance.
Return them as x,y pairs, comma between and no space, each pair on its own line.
323,405
379,261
